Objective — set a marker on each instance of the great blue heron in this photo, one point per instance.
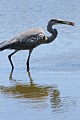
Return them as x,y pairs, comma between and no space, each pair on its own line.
30,39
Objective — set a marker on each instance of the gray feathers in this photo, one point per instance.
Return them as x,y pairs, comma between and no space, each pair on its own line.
26,40
4,45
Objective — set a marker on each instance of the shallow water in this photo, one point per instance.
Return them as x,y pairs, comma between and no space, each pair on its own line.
51,89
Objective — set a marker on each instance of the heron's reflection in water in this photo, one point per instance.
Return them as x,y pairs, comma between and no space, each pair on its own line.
32,92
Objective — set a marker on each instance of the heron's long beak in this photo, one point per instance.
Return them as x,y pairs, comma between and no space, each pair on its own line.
67,23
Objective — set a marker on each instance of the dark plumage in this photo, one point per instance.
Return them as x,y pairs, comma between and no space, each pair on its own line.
30,39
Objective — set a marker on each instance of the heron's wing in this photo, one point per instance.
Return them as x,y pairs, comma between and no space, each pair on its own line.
33,38
32,41
28,39
29,33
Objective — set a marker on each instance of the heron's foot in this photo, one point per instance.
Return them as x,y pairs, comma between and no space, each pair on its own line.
28,72
28,69
10,77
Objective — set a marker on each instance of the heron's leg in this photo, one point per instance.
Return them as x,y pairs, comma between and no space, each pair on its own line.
9,56
10,76
30,51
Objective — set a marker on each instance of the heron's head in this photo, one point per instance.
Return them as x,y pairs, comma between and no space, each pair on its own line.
56,21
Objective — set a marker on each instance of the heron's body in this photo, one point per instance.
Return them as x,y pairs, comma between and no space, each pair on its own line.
30,39
25,41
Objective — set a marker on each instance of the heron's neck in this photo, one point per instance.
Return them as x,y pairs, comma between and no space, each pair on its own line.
53,32
50,29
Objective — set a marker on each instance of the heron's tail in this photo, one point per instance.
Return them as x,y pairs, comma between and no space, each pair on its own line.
4,45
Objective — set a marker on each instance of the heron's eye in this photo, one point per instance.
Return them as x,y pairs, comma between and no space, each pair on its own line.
51,20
